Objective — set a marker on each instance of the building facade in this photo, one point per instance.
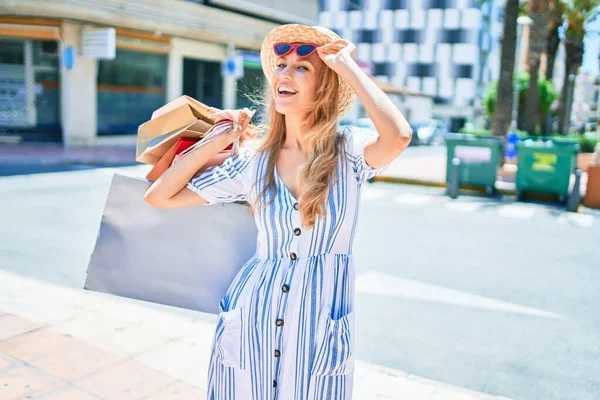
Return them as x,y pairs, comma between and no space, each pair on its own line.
164,48
447,49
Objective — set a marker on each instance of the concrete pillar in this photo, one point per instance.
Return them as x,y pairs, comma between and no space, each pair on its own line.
78,92
229,92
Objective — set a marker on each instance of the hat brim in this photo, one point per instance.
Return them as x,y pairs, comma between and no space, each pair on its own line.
298,33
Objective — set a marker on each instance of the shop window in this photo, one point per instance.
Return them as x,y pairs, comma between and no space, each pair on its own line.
130,88
29,89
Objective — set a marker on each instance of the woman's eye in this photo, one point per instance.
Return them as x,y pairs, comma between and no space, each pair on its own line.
281,65
302,67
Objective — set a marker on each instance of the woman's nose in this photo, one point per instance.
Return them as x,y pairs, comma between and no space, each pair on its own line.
286,72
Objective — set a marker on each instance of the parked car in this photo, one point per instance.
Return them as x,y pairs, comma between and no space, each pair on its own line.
431,132
426,133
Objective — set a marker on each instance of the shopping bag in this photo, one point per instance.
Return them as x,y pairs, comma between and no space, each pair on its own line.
184,145
183,257
182,117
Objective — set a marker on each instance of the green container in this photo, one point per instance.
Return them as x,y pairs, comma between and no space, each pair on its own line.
480,158
545,167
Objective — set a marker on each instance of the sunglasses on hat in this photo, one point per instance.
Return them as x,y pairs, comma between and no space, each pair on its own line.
302,49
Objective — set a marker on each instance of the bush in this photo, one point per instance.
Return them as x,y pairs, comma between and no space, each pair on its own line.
587,144
547,95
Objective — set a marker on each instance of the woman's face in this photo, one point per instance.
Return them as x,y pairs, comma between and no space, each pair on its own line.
295,81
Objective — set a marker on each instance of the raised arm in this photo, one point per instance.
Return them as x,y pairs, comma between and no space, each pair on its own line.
394,131
170,191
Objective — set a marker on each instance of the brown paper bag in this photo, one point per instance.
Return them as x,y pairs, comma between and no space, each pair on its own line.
182,117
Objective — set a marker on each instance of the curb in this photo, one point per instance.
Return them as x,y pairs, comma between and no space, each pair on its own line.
427,183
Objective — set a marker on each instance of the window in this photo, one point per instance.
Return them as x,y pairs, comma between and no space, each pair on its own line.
422,70
441,4
382,68
395,5
453,36
368,36
353,5
130,87
462,71
441,100
409,36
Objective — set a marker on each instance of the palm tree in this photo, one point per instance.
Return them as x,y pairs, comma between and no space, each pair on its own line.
502,116
556,21
578,14
540,11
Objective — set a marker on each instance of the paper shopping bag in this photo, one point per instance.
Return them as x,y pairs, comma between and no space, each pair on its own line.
184,257
173,154
182,117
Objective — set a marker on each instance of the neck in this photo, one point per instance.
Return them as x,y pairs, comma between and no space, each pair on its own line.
293,130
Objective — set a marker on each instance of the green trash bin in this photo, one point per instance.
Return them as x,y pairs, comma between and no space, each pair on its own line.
479,158
546,167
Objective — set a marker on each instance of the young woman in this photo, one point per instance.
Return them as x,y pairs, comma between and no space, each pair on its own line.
286,327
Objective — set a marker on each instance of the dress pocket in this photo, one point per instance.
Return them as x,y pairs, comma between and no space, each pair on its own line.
335,353
230,349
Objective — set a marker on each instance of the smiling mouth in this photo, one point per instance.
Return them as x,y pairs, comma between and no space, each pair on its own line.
285,91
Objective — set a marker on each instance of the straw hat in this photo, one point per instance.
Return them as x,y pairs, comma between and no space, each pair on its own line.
298,33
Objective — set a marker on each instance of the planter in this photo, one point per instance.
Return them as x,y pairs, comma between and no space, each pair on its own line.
592,194
584,160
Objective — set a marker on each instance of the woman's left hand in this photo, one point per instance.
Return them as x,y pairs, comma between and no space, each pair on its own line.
337,55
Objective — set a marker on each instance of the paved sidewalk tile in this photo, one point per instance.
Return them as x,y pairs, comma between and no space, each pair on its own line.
12,325
177,391
177,358
34,344
90,324
22,381
105,352
68,393
129,340
126,381
78,360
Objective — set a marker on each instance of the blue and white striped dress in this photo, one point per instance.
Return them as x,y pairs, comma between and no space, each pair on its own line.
286,327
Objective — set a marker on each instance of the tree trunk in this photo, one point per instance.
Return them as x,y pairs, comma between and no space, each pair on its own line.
504,99
538,38
552,47
573,60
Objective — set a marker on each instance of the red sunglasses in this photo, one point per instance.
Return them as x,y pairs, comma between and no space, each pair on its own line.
302,49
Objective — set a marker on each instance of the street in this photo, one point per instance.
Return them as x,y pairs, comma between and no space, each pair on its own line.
487,294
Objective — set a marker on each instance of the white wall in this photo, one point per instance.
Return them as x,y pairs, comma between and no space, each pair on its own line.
186,48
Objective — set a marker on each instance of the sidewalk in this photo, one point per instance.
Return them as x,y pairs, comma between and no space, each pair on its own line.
55,154
430,170
60,343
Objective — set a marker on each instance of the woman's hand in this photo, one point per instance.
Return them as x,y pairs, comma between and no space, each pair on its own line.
338,55
241,121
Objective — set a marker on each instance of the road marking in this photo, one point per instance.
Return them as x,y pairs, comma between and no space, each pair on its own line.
517,211
413,199
462,207
581,220
389,285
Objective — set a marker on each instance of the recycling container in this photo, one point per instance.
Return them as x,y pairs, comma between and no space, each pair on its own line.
479,158
545,167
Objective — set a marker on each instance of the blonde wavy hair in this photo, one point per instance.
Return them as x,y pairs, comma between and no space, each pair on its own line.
320,142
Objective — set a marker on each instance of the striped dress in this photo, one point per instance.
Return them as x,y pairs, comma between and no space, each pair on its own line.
286,326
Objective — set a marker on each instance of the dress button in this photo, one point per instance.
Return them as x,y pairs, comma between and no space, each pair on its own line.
293,256
297,231
277,353
274,383
295,206
279,322
285,288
